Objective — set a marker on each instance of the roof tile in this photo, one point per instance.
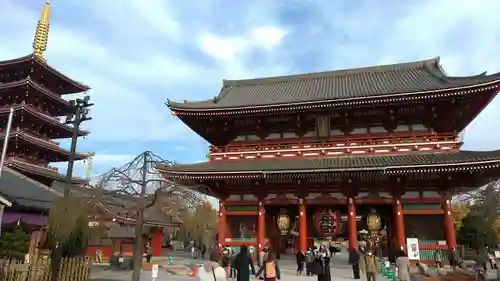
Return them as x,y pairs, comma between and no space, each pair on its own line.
269,166
365,82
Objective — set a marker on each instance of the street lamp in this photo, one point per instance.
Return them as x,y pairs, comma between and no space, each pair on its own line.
78,114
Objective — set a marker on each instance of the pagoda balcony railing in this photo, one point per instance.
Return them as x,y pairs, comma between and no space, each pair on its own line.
38,110
27,160
352,145
34,135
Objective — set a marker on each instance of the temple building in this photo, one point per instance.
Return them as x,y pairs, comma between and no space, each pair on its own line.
351,154
34,90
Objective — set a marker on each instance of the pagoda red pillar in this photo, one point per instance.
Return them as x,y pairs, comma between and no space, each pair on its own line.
261,228
302,226
399,225
352,230
449,225
222,225
157,242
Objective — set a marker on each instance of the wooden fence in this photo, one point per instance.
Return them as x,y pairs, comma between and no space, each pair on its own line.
74,269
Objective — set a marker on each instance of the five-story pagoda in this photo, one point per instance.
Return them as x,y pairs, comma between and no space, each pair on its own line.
34,90
304,158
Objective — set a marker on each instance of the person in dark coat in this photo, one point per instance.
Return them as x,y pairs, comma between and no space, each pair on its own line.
324,260
301,259
354,258
242,263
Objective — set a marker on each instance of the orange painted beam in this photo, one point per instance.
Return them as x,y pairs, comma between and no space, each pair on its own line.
432,247
241,213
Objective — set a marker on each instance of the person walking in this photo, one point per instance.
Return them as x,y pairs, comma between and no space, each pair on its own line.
354,258
309,261
262,256
270,270
211,270
243,264
324,261
203,251
454,259
439,261
369,266
301,259
402,265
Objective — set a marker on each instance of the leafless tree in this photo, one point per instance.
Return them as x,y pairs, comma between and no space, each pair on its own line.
141,179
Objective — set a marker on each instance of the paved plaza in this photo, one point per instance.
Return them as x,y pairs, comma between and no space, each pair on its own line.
340,271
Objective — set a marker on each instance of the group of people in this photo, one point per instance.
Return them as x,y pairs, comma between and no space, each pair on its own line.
198,251
364,261
240,266
316,261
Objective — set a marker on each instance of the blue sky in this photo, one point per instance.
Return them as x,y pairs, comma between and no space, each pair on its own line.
136,54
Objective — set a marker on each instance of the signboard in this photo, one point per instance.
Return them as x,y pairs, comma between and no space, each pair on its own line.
413,248
154,271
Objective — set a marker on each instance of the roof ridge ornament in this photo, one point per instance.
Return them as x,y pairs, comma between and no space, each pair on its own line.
42,32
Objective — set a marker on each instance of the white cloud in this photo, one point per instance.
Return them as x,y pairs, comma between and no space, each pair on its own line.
268,36
224,49
136,54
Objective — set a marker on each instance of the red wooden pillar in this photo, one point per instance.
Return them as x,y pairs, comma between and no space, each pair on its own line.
302,226
222,225
261,228
352,230
399,225
157,242
449,225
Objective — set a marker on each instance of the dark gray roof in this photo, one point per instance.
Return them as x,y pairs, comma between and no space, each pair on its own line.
123,206
336,163
367,82
122,232
23,191
67,85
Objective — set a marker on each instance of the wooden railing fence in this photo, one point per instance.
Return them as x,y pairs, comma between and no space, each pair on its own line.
71,269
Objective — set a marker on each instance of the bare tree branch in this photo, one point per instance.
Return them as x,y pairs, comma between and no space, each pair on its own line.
141,180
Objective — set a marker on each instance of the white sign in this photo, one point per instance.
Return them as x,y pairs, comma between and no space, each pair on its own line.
154,271
412,248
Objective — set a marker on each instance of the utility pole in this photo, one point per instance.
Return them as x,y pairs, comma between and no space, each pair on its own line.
79,115
6,140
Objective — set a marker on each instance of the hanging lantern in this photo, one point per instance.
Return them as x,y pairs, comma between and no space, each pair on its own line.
283,222
327,222
373,221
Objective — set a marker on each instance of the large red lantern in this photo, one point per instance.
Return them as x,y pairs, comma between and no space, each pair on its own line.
327,222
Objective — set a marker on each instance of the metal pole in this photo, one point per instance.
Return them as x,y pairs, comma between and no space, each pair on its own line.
6,140
74,139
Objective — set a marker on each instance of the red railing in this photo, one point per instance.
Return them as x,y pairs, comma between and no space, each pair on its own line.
365,140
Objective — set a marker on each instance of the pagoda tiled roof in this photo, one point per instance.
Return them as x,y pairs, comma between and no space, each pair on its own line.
73,86
42,143
382,163
341,86
32,169
29,83
29,109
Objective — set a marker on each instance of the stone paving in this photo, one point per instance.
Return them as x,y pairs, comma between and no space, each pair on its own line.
340,271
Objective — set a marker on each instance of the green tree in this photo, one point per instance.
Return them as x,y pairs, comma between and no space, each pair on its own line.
476,232
460,211
14,243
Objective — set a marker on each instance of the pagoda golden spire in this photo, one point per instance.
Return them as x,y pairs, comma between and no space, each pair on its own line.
42,32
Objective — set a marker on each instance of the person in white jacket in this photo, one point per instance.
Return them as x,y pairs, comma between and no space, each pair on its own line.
211,270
